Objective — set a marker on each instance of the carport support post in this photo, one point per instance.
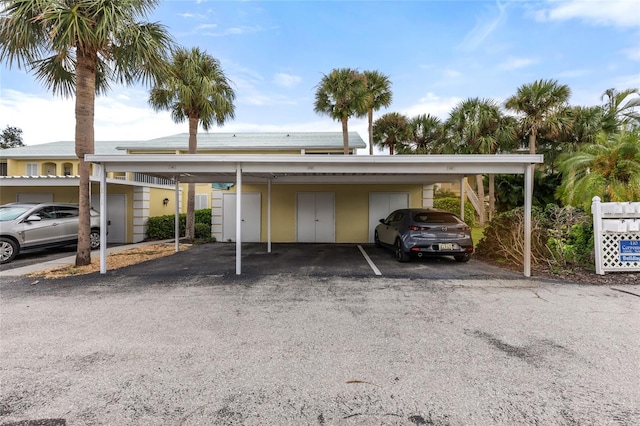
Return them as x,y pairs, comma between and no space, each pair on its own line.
103,219
176,216
238,219
269,216
528,201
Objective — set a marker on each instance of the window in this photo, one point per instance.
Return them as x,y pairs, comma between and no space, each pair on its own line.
66,211
3,169
32,169
67,169
49,169
201,201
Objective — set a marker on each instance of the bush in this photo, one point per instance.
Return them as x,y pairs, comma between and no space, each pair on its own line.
570,241
163,227
503,239
561,237
452,204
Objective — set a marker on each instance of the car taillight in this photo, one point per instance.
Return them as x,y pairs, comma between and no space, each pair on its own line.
419,228
465,228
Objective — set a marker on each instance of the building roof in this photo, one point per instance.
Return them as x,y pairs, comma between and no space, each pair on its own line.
59,150
206,142
250,141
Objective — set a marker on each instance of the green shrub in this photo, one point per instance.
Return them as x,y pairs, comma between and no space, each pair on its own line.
452,205
570,240
503,239
163,227
561,237
202,231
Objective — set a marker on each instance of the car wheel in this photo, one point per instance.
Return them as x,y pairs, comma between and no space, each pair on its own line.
462,257
376,239
8,250
94,238
401,255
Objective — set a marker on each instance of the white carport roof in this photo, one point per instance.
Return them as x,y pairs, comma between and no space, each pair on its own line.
426,169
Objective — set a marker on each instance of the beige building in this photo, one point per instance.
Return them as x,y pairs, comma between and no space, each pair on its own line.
301,210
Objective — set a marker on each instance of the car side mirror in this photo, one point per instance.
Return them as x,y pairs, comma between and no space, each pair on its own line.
383,222
33,218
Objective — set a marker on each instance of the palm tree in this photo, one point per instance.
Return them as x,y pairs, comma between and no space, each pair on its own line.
476,126
618,113
196,89
342,94
427,133
608,168
77,47
391,130
538,104
379,89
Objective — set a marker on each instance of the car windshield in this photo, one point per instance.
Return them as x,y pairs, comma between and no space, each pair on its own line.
435,217
11,213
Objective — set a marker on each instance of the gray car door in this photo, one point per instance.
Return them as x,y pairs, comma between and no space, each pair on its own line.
41,231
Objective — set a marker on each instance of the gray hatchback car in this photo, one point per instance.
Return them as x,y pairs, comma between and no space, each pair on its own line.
28,226
423,232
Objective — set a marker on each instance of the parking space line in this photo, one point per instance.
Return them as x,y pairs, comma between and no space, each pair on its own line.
369,261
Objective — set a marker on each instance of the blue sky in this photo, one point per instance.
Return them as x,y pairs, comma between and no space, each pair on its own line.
436,53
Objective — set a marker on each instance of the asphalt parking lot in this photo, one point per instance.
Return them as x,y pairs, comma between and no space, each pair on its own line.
184,341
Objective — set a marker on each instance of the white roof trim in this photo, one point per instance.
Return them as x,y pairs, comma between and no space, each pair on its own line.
222,168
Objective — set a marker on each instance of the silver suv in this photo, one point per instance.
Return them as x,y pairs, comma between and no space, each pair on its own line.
28,226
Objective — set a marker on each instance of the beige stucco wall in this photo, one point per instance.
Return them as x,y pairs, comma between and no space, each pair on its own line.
351,208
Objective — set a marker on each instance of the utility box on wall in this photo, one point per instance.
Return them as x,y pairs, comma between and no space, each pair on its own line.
616,231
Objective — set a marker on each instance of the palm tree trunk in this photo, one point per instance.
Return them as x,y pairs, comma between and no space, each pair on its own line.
370,132
84,110
190,229
480,188
345,136
532,141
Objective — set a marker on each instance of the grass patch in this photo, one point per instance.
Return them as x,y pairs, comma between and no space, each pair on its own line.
476,234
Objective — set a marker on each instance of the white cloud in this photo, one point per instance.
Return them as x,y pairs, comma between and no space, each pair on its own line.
618,13
49,119
484,28
432,104
516,63
205,27
451,73
235,31
632,53
286,80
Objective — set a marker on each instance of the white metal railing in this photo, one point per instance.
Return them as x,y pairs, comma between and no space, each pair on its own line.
472,196
141,177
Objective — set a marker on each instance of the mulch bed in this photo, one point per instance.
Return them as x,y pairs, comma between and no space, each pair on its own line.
576,275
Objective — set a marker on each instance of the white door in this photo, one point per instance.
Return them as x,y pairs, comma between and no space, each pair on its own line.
116,216
250,217
315,217
381,204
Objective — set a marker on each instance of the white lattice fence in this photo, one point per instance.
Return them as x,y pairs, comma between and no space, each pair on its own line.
616,229
613,258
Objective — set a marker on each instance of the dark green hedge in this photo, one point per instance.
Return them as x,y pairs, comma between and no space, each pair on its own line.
453,205
163,227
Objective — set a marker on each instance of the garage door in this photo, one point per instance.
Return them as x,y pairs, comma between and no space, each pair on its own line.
315,217
381,204
116,216
250,217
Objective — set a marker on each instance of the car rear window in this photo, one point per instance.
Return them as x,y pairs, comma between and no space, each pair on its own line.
435,217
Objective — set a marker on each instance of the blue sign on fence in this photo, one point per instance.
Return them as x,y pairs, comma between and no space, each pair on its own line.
630,251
